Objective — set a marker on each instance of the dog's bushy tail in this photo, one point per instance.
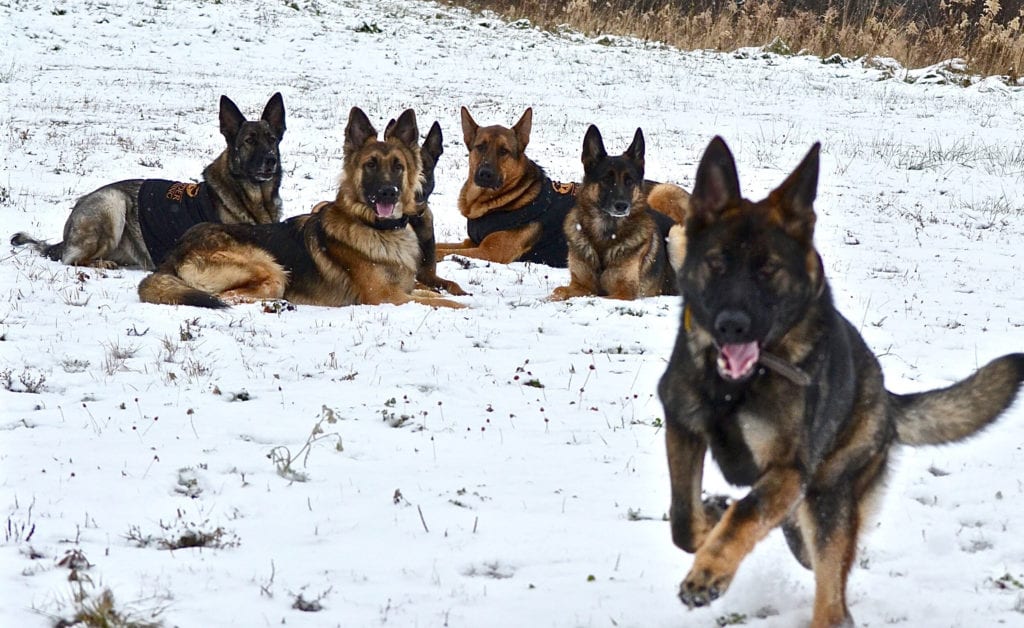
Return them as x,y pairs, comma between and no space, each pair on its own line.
52,251
168,289
950,414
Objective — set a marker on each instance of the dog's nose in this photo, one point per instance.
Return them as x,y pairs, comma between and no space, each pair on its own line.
486,177
270,162
621,207
732,326
387,194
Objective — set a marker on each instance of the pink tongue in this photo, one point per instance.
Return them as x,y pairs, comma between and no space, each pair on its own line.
737,360
384,210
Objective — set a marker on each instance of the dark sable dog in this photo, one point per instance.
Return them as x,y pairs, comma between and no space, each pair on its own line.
358,249
423,223
513,211
785,392
137,222
617,244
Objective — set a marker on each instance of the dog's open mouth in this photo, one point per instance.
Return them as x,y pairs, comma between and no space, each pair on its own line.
384,210
736,361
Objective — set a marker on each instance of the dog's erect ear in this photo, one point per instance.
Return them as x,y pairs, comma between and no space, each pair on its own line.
273,114
433,142
792,203
231,119
717,185
357,131
593,148
405,130
635,152
387,127
469,128
522,128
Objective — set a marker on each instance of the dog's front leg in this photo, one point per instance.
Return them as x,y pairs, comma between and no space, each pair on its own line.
744,523
687,514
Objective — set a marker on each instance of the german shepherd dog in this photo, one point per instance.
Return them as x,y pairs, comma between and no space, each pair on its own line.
784,390
617,244
357,249
137,222
423,223
513,211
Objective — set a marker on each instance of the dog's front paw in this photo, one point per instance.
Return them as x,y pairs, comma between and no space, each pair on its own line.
561,293
702,587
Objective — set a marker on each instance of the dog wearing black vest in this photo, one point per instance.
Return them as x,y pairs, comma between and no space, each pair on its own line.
514,212
137,222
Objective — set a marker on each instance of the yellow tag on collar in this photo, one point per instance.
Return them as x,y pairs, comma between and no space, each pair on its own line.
687,319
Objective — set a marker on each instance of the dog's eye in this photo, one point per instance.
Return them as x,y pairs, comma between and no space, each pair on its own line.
627,181
715,263
397,167
249,140
371,165
480,148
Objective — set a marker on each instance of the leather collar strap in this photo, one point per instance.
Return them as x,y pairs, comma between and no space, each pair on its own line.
391,224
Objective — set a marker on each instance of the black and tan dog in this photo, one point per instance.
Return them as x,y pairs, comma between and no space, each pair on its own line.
358,249
423,223
137,222
617,244
785,392
513,211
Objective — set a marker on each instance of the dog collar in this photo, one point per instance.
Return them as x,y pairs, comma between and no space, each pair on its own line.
390,224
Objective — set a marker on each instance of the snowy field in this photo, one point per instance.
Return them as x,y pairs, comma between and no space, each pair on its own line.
498,466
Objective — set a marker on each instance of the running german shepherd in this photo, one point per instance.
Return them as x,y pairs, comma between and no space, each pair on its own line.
783,389
513,211
357,249
137,222
617,244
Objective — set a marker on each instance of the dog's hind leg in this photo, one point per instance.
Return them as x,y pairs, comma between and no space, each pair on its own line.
829,524
795,539
94,229
238,274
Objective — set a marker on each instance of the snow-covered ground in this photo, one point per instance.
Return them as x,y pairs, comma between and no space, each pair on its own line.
498,466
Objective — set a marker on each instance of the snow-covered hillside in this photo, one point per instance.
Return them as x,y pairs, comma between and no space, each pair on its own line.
498,466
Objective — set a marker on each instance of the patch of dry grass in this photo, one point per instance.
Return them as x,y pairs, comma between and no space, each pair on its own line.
986,33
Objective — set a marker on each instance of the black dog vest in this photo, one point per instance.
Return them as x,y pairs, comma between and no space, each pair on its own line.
167,209
549,209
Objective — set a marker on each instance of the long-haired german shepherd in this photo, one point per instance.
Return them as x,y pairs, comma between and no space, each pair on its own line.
513,211
358,249
785,392
617,244
423,223
137,222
